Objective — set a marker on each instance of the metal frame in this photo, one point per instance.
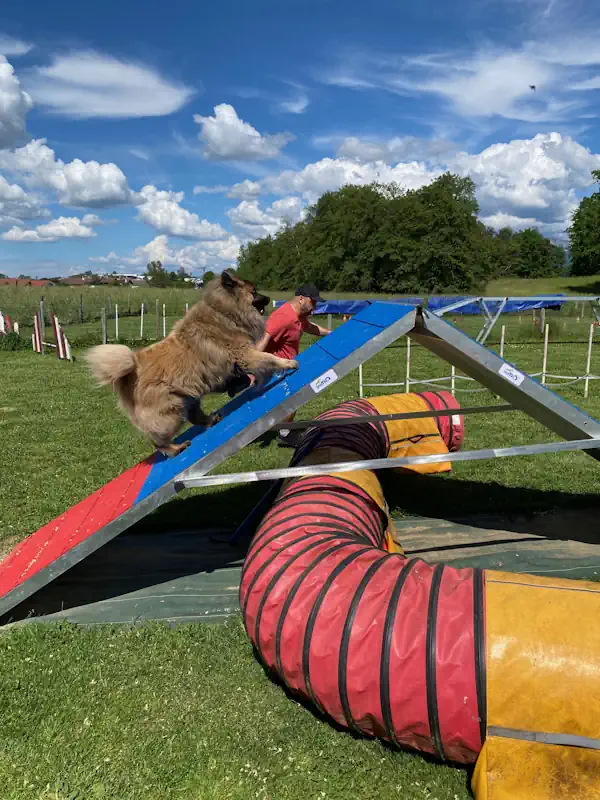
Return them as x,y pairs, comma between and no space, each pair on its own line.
488,325
389,463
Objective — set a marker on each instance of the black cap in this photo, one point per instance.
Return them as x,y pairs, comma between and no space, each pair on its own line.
309,290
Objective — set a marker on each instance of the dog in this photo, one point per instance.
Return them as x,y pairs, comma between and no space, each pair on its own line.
161,386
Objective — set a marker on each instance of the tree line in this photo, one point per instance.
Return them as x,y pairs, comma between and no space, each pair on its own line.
383,238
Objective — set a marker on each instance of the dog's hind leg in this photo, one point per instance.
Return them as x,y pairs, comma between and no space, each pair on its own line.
161,426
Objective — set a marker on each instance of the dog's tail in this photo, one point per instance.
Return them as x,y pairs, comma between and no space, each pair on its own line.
109,363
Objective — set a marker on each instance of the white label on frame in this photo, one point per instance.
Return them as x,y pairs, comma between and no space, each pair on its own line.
511,374
323,381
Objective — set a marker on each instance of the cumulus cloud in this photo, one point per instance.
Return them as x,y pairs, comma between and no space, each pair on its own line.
330,174
251,222
15,104
537,181
246,190
537,178
228,138
16,204
60,228
81,184
85,84
162,211
215,255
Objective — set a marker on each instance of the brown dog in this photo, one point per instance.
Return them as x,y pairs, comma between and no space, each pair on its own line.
160,386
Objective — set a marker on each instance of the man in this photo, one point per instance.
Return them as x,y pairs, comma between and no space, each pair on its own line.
284,330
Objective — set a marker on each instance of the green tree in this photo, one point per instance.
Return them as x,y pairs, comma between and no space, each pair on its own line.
208,276
584,234
156,275
536,256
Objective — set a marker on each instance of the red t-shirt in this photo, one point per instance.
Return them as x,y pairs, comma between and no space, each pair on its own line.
285,327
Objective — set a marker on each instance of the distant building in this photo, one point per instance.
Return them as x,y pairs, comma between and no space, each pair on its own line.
37,283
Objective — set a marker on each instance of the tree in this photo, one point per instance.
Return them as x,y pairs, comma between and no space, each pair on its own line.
536,256
208,275
584,234
156,275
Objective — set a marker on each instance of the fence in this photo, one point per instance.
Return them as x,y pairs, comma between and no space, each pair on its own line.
451,381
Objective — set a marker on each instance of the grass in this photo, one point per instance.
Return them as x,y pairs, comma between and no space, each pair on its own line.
188,713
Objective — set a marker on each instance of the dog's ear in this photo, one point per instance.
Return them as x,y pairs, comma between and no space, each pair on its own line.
227,280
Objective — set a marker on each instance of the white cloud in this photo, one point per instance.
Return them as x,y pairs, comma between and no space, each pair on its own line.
13,47
330,174
139,153
81,184
228,138
219,189
15,104
162,211
60,228
296,104
398,148
531,178
85,84
91,220
250,221
246,190
215,255
16,204
492,82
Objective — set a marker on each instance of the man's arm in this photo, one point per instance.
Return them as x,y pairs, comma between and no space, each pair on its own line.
315,330
262,343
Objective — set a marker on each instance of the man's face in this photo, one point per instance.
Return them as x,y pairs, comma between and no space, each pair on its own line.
306,306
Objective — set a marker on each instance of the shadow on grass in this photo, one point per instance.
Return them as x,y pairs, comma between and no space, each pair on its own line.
493,506
189,537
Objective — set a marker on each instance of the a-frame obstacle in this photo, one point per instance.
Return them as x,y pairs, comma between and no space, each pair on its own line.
63,543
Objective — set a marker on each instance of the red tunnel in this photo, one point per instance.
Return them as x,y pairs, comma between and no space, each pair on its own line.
383,645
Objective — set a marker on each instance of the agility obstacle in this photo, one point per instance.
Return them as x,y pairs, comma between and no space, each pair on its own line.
470,666
462,664
7,325
61,344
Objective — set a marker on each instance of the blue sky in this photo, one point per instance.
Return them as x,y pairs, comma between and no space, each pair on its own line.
181,132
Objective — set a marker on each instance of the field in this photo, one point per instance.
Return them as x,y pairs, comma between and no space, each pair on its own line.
165,714
79,310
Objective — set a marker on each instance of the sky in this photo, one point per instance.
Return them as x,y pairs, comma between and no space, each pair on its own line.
131,132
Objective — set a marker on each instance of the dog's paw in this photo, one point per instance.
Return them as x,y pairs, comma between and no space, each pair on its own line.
213,418
293,365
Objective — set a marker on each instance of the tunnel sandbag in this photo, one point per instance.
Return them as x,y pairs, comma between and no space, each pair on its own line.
543,681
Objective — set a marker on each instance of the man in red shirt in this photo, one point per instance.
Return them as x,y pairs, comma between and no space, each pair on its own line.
284,330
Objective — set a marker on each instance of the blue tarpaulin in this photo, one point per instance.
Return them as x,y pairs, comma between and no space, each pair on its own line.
435,303
512,306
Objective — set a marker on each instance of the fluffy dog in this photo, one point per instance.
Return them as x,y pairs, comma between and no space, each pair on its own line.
161,386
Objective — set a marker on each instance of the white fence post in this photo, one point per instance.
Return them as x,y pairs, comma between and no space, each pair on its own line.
142,322
360,380
545,362
502,334
164,321
588,365
407,364
453,380
117,322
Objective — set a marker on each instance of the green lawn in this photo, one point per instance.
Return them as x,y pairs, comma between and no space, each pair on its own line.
181,714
